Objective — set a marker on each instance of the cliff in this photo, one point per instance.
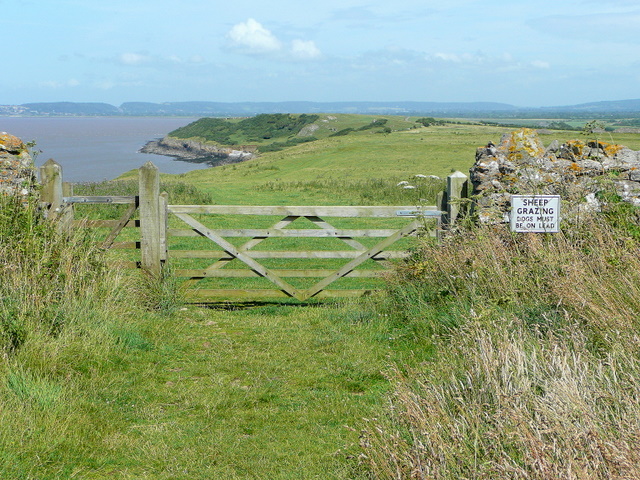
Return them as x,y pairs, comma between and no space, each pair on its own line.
194,151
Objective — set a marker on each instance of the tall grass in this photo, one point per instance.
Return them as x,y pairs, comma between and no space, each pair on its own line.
47,279
538,367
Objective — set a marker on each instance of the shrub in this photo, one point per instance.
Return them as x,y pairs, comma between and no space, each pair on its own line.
343,132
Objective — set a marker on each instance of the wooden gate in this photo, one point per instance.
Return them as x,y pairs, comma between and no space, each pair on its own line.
320,225
168,235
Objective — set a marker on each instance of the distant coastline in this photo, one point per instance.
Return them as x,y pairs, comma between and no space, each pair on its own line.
629,108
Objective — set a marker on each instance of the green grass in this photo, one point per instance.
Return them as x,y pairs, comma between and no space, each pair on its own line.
358,158
361,157
130,384
273,392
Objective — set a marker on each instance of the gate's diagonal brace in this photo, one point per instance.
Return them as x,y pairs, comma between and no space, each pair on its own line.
243,248
254,241
124,219
233,251
348,240
327,226
372,252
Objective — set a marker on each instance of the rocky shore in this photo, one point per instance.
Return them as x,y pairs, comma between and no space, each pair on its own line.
193,151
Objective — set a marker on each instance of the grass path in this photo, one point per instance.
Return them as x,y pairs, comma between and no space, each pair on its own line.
262,392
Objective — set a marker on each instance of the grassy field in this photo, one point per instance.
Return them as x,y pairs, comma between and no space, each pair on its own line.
338,170
128,383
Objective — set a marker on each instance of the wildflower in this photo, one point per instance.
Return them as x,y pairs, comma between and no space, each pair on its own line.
435,177
24,191
404,182
408,187
420,176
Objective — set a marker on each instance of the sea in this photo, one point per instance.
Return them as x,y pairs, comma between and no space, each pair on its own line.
93,149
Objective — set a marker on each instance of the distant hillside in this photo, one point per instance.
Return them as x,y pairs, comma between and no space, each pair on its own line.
70,108
256,108
274,131
277,130
618,106
629,108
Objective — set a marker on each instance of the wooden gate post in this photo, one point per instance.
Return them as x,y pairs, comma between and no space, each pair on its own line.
456,190
67,213
51,193
164,226
150,221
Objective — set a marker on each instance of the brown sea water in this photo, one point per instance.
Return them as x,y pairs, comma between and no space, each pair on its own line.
92,149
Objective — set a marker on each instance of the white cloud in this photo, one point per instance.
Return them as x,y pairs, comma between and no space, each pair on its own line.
133,58
466,58
305,50
447,57
252,38
503,62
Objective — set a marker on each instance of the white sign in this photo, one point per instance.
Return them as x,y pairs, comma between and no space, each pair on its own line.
535,213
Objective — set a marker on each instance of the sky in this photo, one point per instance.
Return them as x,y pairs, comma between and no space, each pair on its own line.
528,54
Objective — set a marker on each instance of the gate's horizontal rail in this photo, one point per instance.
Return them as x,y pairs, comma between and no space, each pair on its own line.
285,254
105,223
246,273
289,232
240,294
100,199
302,211
126,245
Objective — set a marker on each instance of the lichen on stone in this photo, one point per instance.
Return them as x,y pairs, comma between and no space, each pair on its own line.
522,165
18,172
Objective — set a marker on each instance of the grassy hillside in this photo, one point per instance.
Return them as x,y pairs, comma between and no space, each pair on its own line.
292,175
330,169
275,131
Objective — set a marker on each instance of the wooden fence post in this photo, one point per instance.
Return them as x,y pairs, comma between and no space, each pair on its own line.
150,221
456,190
67,214
164,225
51,193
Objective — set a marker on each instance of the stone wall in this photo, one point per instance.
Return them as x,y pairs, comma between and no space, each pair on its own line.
520,164
17,172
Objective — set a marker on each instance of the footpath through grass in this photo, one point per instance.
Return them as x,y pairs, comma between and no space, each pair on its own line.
263,391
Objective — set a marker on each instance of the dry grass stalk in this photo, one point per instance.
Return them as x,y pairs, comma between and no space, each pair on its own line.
539,379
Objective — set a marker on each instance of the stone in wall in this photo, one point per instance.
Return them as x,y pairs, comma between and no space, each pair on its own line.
575,170
17,172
